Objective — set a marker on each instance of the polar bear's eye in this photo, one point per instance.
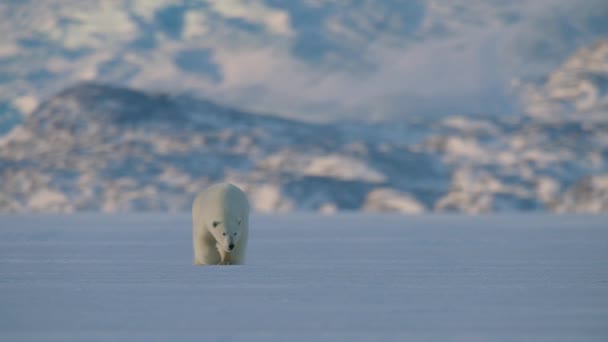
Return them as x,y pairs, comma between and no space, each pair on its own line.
234,234
215,224
239,222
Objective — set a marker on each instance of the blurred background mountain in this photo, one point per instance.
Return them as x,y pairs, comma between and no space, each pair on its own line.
380,105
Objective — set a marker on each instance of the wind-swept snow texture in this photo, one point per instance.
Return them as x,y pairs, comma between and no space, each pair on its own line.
308,278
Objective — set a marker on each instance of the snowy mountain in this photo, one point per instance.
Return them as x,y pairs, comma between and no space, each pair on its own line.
426,105
96,147
554,157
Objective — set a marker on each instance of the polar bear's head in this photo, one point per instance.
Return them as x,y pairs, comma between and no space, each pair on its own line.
227,232
225,215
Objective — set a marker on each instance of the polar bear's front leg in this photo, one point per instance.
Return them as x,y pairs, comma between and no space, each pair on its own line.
225,257
204,254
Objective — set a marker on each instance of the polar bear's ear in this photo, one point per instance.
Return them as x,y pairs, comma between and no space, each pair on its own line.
215,224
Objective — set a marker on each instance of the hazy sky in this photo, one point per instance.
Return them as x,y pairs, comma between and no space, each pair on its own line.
313,59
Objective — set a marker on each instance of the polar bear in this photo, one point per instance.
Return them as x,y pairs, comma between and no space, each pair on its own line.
220,224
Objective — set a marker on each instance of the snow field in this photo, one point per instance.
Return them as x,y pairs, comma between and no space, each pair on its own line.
308,278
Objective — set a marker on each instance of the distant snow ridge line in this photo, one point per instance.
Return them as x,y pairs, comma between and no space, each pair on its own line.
95,147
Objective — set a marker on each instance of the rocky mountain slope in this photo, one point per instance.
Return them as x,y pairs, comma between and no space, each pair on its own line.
95,147
555,157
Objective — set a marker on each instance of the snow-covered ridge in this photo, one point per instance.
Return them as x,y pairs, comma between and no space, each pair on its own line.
96,147
577,90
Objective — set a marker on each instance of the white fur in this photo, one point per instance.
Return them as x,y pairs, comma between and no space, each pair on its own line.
227,206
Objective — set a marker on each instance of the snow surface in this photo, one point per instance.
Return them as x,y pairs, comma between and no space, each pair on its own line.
308,278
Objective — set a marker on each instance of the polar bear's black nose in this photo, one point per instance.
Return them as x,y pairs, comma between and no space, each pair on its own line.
231,246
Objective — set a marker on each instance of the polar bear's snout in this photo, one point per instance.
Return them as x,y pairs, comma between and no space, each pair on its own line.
229,244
